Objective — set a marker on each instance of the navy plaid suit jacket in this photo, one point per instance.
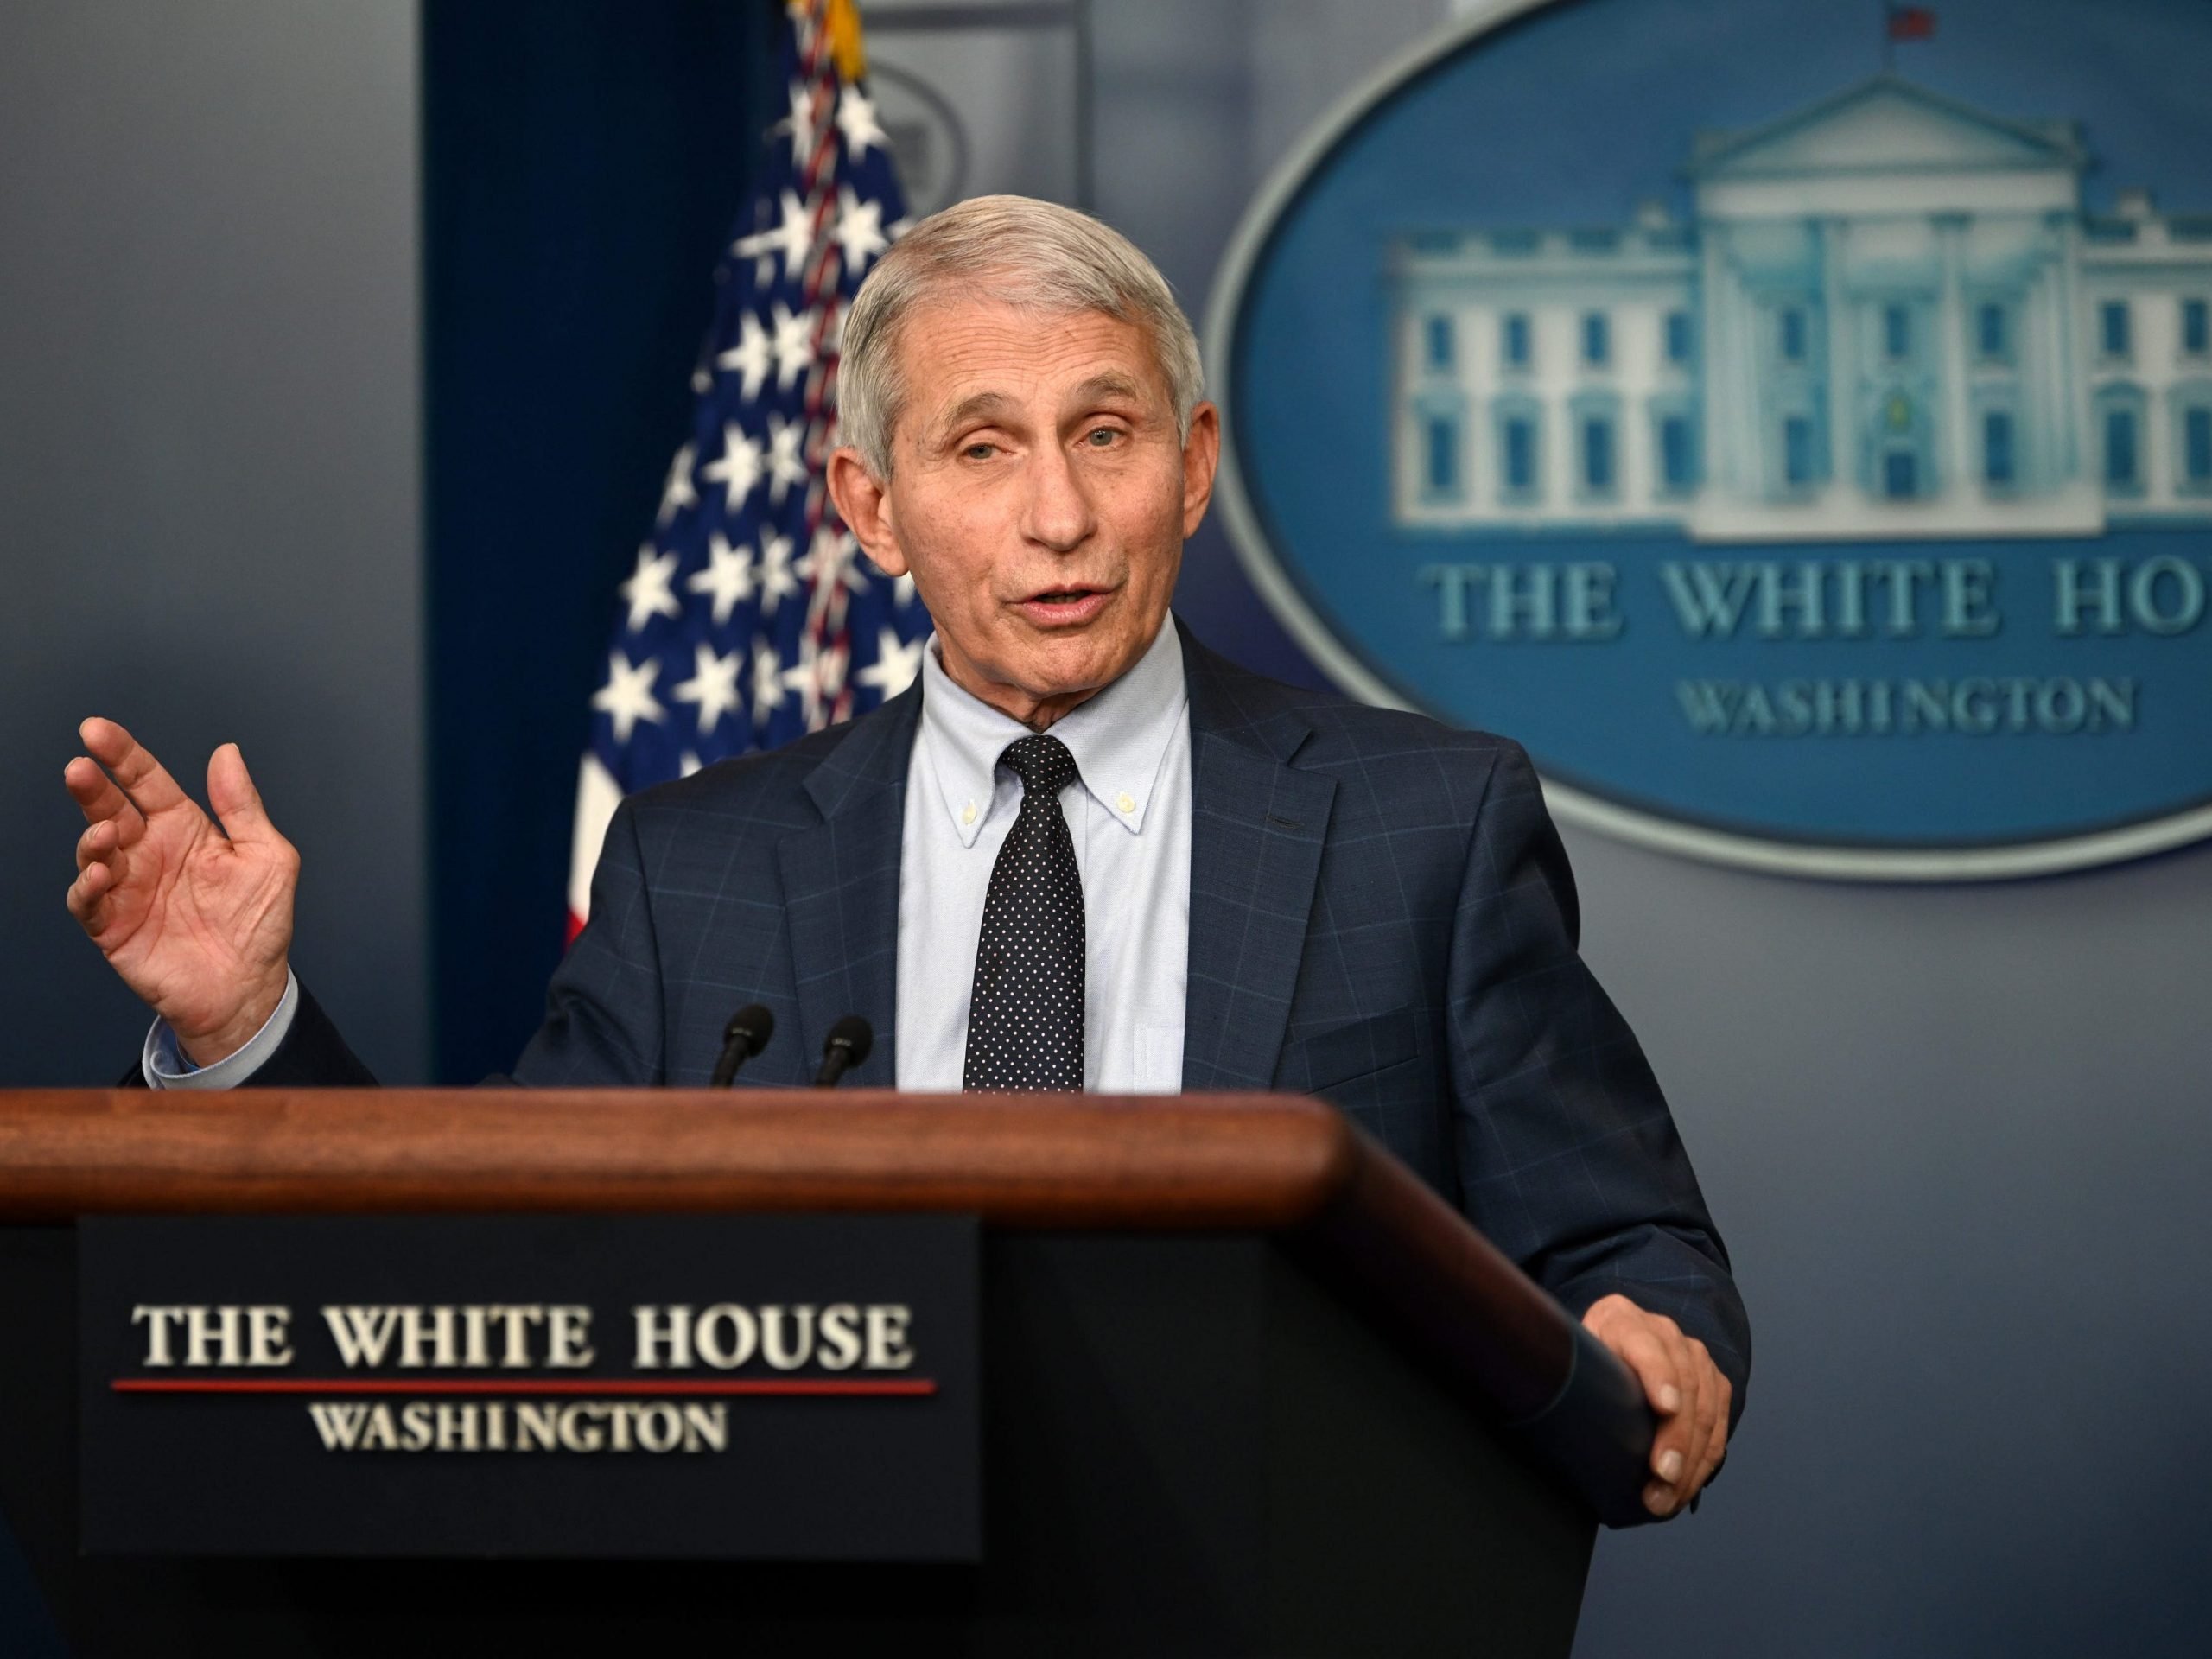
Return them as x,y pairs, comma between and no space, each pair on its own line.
1380,914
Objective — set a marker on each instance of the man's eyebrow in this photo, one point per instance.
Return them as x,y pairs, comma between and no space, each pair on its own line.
1101,386
992,405
969,408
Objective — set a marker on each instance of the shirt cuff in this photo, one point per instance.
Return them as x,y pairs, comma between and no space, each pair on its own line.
164,1066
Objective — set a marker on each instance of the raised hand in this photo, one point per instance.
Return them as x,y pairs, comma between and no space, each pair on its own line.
195,915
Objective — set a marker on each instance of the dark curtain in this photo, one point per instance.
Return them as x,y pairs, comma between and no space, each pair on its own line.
583,162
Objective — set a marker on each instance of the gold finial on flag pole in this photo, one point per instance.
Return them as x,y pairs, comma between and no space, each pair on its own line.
841,21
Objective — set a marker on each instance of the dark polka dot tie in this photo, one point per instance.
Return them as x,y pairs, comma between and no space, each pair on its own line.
1025,1020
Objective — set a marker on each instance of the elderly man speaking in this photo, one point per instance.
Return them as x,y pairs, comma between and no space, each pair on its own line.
1081,852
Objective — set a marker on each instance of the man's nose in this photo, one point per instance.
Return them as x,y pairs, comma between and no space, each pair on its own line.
1057,512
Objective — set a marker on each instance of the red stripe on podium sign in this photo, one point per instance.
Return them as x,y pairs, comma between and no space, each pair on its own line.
902,1387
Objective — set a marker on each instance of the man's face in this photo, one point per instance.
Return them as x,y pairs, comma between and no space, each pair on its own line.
1038,495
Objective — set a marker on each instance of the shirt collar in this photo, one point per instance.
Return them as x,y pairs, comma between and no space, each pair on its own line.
1118,738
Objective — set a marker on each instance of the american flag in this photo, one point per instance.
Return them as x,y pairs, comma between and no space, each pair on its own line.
750,617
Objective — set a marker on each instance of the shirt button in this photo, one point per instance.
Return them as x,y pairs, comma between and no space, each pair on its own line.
968,813
1126,801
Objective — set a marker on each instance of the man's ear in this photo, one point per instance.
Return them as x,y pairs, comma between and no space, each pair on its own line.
864,503
1201,456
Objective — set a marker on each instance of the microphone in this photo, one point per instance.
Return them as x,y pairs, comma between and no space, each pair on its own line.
746,1034
849,1042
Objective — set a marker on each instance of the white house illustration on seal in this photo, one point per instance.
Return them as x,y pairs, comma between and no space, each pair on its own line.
1890,316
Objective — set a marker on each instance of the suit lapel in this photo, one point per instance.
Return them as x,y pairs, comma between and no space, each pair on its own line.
841,888
1257,832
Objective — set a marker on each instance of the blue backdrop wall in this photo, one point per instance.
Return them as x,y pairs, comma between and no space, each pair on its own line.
210,476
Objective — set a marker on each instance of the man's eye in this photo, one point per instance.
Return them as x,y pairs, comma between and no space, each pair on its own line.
1099,437
980,451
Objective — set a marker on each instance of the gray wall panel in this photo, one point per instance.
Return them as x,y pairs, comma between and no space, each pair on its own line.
209,427
1956,1138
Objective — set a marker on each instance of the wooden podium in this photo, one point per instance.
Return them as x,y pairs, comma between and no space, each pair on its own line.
1250,1387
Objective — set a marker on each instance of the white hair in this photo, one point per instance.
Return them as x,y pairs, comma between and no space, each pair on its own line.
1013,250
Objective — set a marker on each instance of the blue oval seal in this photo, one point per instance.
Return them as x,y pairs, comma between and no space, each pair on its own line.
1793,424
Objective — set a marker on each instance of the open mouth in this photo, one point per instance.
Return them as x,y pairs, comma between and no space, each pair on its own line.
1064,607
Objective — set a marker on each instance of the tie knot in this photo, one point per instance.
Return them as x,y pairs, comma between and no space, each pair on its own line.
1042,763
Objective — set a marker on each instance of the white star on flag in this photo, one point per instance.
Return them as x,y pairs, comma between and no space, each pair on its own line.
738,470
712,685
800,124
785,467
749,356
676,493
860,230
793,238
794,344
647,592
777,582
856,120
830,561
818,675
627,697
728,576
767,681
896,663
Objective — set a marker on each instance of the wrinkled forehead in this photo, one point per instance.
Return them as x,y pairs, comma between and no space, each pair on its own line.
957,355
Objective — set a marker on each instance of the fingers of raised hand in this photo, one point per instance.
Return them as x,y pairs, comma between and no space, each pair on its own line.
99,843
237,802
96,795
133,766
84,894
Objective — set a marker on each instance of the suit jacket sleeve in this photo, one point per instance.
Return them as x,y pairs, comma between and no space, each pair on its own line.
312,1056
1567,1156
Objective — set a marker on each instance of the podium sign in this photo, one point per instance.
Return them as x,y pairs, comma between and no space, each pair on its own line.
757,1386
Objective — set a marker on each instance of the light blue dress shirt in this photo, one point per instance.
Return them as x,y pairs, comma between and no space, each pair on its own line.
163,1065
1130,820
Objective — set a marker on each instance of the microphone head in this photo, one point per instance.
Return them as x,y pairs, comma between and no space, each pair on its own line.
854,1035
752,1022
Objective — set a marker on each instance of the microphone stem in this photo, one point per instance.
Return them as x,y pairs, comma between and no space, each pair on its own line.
734,1053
